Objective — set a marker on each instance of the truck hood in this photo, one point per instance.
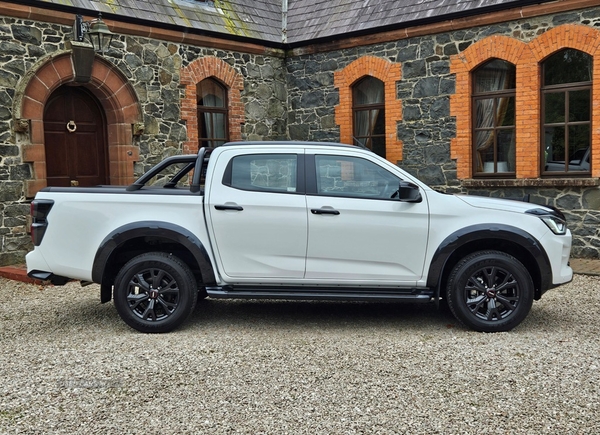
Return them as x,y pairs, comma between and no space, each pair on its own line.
501,204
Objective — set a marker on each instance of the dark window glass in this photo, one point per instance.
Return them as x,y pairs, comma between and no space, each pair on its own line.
567,66
579,105
369,114
354,178
555,107
566,113
212,113
494,76
494,119
264,172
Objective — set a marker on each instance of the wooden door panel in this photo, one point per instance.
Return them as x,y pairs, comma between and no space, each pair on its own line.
74,156
57,159
85,164
55,112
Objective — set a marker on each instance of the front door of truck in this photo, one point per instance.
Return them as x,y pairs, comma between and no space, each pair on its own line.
257,215
359,233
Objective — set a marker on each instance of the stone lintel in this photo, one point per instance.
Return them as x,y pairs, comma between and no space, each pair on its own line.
531,182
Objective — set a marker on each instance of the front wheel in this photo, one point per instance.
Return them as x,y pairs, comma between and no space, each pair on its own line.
490,291
155,292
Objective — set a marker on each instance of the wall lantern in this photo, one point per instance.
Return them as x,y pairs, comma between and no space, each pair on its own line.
99,38
96,31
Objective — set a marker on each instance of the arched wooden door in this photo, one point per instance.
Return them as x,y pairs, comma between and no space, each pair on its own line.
75,138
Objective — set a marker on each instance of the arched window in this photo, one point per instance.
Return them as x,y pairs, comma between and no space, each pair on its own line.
368,107
566,113
494,119
212,113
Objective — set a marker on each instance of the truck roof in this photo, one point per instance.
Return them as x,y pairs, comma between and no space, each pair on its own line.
290,143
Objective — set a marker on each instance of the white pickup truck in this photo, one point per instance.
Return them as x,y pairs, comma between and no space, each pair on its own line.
296,220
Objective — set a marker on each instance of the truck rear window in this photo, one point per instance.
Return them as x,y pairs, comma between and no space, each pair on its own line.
263,172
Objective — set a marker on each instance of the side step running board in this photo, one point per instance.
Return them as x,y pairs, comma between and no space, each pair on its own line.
363,294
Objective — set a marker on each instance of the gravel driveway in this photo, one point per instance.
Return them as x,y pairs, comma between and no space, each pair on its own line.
70,365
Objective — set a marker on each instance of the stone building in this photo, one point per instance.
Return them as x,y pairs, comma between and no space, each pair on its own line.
482,97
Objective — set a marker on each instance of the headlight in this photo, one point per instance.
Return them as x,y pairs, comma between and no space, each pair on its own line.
558,226
552,217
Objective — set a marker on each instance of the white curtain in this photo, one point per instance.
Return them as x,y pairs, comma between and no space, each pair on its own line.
211,96
492,78
368,91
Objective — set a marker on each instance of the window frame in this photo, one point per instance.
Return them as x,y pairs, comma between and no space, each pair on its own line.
495,129
211,111
380,106
566,89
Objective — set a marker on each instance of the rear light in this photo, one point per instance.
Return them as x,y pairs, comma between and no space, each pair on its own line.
39,212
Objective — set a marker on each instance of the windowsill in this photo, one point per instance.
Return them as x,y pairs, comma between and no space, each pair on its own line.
531,182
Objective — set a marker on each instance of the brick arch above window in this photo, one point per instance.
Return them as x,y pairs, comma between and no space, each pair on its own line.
193,74
493,47
389,73
587,40
527,57
576,36
116,96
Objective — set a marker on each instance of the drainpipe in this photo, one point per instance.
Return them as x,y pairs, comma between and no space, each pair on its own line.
284,14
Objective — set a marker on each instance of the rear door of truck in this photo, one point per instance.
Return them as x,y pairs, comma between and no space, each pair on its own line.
256,214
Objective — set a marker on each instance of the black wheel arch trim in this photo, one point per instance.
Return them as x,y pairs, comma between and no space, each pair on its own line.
481,232
160,229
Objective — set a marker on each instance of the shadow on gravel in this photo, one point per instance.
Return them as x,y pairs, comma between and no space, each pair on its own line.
86,313
318,314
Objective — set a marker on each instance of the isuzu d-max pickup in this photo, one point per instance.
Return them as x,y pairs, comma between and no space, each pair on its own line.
296,220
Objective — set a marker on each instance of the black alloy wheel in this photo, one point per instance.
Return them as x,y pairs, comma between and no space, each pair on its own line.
155,292
490,291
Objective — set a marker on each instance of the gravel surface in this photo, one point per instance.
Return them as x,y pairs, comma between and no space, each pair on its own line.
70,365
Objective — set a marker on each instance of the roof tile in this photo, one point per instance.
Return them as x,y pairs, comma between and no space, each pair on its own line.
306,19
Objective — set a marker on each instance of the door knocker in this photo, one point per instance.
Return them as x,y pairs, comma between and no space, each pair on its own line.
71,126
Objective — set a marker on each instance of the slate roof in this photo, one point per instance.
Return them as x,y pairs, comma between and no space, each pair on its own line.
267,21
255,19
315,19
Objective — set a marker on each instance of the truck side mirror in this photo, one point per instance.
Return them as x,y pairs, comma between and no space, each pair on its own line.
409,192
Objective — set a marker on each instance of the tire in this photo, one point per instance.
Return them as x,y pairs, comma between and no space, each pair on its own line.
155,292
490,291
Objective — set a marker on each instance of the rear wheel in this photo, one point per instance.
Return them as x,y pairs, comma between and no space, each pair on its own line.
155,292
490,291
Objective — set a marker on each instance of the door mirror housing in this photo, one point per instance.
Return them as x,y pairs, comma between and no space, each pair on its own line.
409,192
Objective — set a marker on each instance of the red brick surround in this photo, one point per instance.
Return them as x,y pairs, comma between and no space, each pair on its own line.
389,73
527,57
116,97
193,74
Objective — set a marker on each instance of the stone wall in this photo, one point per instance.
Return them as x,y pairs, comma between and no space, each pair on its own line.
291,98
312,96
153,68
22,44
427,126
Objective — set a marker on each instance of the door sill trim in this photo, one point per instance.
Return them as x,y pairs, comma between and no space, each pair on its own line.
303,293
